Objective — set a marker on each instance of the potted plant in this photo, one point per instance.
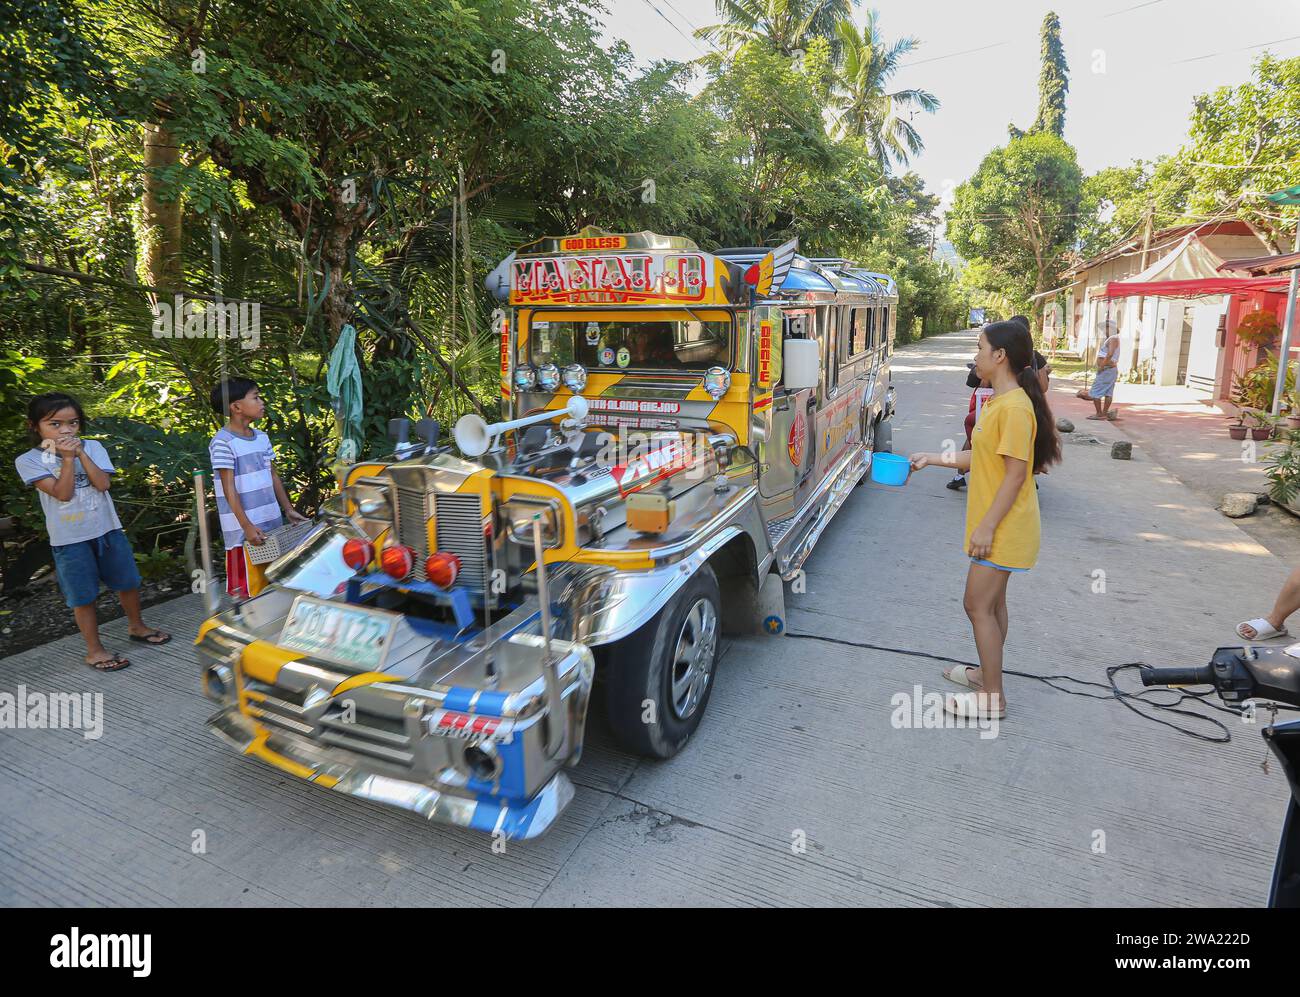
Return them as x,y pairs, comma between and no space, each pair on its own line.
1237,430
1293,410
1263,425
1282,468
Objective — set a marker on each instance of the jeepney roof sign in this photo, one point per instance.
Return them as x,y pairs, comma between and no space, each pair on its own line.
593,239
627,276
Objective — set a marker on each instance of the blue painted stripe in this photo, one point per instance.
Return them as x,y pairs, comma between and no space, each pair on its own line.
491,703
458,697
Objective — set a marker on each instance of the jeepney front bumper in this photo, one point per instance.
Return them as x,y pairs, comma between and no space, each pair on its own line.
468,757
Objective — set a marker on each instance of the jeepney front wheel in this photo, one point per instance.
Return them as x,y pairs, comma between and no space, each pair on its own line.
658,680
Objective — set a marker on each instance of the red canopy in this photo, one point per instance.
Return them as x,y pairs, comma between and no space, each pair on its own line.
1198,288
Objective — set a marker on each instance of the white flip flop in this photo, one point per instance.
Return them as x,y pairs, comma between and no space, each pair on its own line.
1263,630
960,674
965,705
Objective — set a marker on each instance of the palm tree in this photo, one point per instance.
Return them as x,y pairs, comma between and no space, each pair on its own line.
866,108
787,25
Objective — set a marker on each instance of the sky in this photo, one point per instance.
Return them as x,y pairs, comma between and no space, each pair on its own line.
1135,66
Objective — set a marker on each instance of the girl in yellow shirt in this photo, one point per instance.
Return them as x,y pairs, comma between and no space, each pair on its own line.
1014,439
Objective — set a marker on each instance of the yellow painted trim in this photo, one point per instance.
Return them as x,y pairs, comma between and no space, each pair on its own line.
625,314
211,623
363,471
357,681
263,660
258,749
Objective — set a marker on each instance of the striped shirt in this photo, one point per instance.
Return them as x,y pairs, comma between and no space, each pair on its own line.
250,459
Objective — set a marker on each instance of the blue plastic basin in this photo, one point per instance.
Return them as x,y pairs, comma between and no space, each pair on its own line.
889,469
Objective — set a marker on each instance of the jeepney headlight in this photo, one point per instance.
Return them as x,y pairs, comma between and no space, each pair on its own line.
372,501
717,382
519,514
548,377
575,377
525,377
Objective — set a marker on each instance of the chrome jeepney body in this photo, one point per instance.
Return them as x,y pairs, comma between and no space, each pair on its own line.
694,473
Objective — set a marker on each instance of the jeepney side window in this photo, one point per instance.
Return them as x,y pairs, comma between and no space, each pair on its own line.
886,339
830,356
845,342
861,330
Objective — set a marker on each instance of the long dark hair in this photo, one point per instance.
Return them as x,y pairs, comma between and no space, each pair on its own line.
46,405
1014,337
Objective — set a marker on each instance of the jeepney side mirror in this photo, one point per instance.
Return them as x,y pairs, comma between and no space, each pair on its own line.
802,364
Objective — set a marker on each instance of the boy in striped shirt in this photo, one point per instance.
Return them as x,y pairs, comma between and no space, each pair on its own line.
250,495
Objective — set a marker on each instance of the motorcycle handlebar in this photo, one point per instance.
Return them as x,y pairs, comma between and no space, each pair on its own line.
1204,675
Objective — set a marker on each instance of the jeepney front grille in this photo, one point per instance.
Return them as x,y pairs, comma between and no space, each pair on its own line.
413,525
459,520
460,532
358,731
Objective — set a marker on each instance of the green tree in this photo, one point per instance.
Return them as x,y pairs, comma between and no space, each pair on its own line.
1019,214
788,26
865,105
1053,80
1244,143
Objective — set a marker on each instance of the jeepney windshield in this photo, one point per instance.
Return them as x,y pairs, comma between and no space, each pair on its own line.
675,341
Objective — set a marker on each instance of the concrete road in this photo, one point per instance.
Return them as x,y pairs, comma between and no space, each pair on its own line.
802,785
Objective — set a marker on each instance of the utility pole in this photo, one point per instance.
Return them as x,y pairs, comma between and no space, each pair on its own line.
1148,226
1287,196
1288,333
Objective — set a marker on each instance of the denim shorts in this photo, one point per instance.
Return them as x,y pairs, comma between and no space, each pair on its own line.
82,566
990,564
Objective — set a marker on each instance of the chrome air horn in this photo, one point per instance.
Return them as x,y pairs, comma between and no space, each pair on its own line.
476,437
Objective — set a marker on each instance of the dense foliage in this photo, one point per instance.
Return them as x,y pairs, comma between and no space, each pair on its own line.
367,162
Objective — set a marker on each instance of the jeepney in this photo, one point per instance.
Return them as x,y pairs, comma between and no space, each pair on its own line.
678,426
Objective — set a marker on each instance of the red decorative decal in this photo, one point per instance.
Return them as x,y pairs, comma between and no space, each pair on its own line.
795,444
616,278
660,463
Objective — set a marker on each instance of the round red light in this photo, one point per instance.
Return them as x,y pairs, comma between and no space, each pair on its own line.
442,569
397,561
358,553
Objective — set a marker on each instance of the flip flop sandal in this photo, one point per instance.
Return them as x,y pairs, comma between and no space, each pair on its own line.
965,706
156,638
114,663
960,674
1263,630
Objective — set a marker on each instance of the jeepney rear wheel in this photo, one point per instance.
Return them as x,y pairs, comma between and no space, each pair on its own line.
658,680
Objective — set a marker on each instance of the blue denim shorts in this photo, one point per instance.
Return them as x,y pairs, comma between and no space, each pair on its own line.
990,564
82,566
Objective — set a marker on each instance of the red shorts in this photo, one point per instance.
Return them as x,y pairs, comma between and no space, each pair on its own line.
236,573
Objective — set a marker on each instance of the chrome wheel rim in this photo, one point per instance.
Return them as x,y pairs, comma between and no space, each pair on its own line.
692,666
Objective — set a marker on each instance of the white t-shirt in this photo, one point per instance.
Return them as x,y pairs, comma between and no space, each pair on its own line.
90,513
250,459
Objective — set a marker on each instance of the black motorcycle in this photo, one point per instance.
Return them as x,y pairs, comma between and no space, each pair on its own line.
1251,674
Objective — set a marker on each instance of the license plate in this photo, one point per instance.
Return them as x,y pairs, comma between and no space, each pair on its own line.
344,634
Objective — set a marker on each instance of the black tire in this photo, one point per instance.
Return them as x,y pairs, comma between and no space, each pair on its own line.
639,672
884,439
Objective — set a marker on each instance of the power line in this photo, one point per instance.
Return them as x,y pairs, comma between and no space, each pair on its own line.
1136,6
1229,51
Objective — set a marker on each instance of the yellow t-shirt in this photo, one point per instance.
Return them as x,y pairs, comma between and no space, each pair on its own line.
1006,428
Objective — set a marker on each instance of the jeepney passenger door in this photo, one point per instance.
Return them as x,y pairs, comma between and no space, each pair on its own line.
786,453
